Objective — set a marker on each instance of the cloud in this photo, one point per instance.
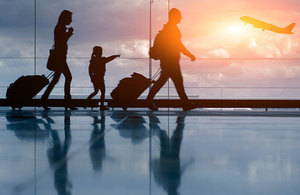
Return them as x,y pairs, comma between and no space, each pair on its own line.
219,53
7,49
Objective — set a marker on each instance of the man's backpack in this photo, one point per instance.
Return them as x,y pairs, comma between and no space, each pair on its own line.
157,51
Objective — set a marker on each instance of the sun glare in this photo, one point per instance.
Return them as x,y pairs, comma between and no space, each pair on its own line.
232,32
234,29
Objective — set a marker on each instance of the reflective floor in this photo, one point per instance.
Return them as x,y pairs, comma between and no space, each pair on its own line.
141,152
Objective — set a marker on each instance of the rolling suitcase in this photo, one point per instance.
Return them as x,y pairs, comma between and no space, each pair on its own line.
129,89
25,88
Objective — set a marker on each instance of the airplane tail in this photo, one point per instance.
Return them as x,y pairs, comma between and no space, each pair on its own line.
290,27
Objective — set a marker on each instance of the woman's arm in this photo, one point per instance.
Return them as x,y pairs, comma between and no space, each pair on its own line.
69,33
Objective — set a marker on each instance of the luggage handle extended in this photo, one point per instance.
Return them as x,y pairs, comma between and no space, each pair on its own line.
156,74
50,75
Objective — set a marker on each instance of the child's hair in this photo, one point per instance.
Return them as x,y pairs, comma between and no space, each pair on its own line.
96,51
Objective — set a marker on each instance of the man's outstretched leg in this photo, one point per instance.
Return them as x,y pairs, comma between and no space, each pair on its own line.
154,89
178,82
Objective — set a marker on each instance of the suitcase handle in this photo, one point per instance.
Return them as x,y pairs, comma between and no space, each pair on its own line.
50,75
156,74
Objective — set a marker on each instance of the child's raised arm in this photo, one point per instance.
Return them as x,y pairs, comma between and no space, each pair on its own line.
110,58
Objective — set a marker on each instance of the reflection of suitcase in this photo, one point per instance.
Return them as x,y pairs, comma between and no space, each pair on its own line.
24,89
129,89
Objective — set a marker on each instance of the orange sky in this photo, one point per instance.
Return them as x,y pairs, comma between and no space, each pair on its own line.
214,29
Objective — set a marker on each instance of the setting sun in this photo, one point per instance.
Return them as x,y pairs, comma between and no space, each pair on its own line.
234,29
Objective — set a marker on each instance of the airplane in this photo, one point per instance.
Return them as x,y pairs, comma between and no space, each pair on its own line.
266,26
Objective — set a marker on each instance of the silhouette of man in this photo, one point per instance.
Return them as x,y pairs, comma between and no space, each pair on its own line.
61,36
169,60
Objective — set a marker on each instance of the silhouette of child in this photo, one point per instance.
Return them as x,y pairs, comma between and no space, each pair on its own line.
97,72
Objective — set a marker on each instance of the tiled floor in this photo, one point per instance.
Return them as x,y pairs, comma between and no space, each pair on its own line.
116,152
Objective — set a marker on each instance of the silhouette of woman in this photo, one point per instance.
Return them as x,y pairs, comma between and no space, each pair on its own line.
97,71
61,37
57,156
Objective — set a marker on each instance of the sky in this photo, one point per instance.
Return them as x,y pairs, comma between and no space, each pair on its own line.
210,29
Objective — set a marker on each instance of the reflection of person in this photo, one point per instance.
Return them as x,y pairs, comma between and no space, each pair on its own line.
61,37
97,72
97,147
57,156
167,170
169,61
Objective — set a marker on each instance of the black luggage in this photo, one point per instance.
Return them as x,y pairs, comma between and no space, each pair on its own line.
129,89
24,89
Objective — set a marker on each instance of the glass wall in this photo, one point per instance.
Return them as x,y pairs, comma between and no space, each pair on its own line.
234,60
17,41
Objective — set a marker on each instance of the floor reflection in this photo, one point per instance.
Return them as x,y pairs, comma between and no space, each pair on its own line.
97,143
131,126
26,126
57,157
167,169
244,156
